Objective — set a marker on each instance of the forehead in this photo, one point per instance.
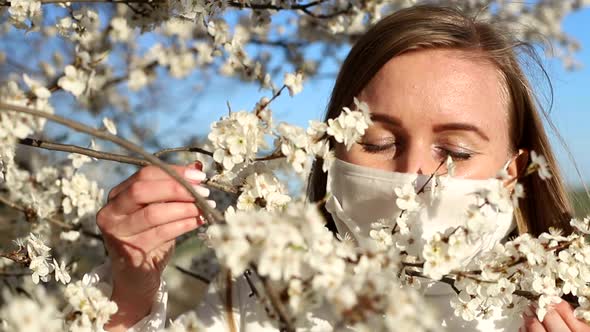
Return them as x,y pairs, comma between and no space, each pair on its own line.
440,86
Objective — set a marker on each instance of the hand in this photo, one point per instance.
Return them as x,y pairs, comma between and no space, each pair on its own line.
140,222
559,319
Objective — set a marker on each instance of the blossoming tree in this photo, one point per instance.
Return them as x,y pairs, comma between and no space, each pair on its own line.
95,58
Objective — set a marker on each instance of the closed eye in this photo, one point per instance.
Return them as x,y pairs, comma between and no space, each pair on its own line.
456,155
375,148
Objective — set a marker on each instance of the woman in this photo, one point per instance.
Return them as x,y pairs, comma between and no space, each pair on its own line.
438,84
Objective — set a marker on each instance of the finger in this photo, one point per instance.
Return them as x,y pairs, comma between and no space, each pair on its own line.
154,215
532,324
191,173
552,322
566,312
159,235
145,192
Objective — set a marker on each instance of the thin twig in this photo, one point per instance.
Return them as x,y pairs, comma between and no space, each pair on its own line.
285,322
192,274
184,149
43,144
85,151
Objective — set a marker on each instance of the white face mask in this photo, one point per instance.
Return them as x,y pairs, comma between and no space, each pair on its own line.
362,195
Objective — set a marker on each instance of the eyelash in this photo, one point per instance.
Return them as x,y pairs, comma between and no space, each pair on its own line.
373,148
457,155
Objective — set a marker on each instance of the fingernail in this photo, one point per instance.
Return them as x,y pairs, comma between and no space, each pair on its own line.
212,203
198,165
200,220
194,174
201,190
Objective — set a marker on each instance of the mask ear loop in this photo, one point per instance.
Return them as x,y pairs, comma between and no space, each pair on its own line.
510,161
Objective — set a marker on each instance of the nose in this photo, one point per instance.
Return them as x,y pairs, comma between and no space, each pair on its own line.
416,158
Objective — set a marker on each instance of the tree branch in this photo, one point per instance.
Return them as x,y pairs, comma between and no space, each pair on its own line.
210,214
85,151
304,7
118,158
46,2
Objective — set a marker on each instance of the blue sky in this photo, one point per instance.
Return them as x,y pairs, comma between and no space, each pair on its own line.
571,113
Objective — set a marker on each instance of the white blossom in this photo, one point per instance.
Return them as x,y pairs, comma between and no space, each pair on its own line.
350,125
294,83
74,81
61,275
137,79
120,29
78,159
22,10
407,199
263,189
110,126
539,164
81,196
582,225
236,138
37,88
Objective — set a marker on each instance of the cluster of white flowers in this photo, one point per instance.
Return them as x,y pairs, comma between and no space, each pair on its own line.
294,82
298,145
41,261
89,306
22,10
539,269
350,125
82,196
548,267
75,80
18,125
295,250
262,190
237,138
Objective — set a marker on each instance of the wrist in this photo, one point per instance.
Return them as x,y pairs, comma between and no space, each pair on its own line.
130,310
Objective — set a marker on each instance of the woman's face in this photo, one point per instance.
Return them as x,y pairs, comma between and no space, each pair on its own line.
430,104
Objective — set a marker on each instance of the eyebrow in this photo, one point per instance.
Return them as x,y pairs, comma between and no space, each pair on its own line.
456,126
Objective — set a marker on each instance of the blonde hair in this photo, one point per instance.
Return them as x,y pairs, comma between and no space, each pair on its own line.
546,203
